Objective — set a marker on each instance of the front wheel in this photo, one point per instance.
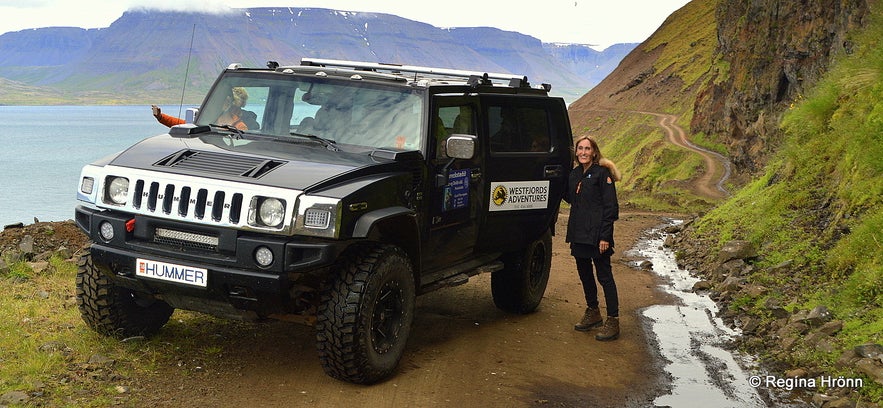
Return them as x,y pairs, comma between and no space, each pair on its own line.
365,314
520,285
113,310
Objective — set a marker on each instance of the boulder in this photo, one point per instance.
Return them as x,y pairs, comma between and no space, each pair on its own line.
831,328
730,284
818,316
702,285
871,368
26,245
872,351
736,249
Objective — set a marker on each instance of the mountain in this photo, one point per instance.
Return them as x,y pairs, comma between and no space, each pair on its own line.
588,63
143,56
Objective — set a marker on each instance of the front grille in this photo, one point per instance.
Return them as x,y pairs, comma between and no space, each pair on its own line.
197,200
183,201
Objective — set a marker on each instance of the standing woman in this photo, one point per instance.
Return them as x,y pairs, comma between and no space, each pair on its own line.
591,193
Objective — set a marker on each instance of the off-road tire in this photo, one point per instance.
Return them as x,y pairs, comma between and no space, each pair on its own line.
113,310
520,285
365,314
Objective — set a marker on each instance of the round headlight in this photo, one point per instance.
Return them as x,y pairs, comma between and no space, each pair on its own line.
118,190
272,212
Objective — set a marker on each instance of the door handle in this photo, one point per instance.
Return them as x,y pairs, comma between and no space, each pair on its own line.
553,170
475,175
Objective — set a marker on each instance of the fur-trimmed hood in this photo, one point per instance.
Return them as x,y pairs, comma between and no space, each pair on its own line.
617,175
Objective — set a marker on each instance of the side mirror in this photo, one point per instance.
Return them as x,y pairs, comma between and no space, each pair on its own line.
457,146
191,115
460,146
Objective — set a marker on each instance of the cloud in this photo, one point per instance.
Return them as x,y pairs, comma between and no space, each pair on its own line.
18,4
207,6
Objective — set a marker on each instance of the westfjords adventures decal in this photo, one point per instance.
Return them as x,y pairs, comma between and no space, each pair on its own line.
519,195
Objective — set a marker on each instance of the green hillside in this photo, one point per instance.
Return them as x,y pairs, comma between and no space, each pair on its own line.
818,207
663,75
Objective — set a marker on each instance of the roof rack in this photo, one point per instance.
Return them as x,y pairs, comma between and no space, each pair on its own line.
473,77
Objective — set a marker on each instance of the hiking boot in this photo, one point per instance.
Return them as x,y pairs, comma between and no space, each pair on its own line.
592,318
610,331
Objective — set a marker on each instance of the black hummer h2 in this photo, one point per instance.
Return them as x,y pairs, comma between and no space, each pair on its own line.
353,188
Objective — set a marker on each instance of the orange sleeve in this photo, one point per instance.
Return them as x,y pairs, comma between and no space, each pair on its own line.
169,120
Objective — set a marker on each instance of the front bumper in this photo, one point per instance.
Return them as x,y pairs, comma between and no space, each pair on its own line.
233,275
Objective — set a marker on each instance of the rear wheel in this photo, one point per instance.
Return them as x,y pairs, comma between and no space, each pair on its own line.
113,310
520,285
365,314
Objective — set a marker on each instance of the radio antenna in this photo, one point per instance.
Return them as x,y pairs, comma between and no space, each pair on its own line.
187,70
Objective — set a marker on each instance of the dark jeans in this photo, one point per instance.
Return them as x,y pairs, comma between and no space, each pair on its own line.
605,278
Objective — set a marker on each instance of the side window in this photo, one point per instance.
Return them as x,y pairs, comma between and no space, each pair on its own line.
518,128
450,120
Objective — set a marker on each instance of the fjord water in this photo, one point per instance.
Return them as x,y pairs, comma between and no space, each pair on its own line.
44,148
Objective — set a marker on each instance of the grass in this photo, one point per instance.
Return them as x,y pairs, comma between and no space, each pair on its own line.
820,203
43,347
689,44
47,352
655,173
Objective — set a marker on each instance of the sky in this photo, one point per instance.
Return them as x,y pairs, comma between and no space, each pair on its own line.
599,23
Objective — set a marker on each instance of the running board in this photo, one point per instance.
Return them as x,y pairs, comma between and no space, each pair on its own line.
462,278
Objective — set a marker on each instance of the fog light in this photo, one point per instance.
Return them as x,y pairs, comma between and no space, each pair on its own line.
105,231
263,256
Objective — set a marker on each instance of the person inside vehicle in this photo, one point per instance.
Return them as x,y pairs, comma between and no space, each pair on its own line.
232,113
167,120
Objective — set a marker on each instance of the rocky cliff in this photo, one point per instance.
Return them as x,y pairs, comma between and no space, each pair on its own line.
769,52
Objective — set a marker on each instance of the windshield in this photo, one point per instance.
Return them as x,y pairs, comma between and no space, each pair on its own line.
294,107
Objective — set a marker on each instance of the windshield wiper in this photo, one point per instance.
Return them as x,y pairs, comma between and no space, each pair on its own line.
238,132
330,144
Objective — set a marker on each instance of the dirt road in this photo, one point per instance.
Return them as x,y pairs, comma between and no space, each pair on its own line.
463,352
711,183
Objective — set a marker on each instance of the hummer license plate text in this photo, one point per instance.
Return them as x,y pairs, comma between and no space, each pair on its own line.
187,275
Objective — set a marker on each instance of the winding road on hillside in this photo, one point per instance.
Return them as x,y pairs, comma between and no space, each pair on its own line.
709,184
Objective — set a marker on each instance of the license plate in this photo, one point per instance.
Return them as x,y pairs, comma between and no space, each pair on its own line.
187,275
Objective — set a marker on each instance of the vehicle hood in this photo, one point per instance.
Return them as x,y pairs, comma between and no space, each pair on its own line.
262,162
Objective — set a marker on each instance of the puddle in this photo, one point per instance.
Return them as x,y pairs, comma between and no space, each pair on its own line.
695,343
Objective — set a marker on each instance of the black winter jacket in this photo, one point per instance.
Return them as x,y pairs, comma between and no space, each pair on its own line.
593,205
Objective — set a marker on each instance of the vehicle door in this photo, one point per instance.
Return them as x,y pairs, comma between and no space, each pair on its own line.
456,194
528,159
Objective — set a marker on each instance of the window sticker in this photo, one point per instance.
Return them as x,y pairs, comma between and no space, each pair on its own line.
519,195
